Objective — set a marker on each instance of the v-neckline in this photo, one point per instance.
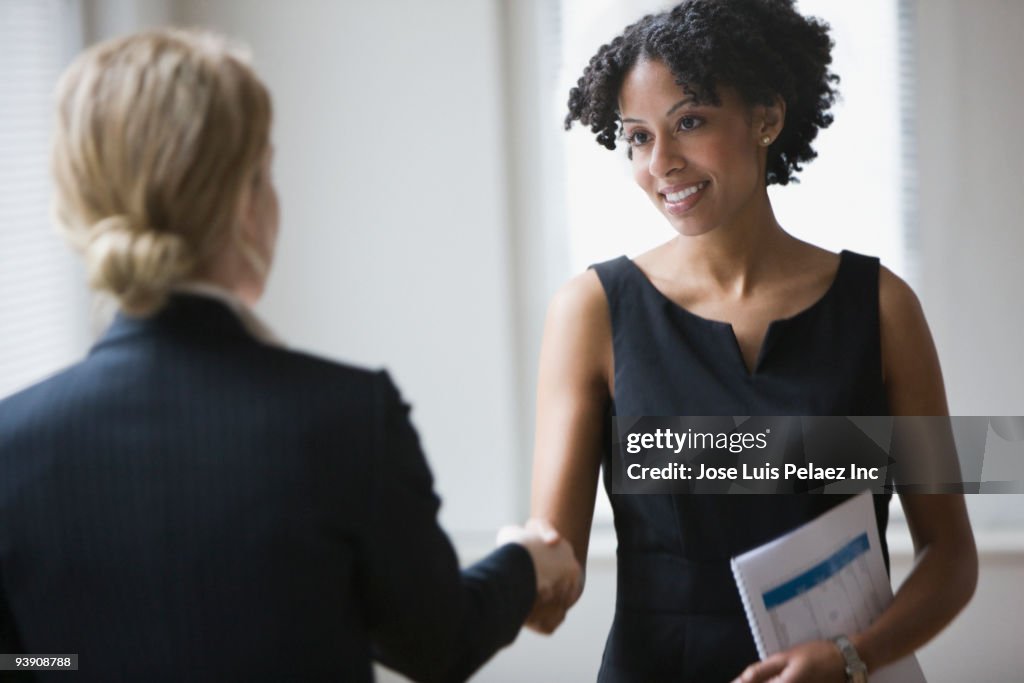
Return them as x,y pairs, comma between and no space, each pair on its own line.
748,372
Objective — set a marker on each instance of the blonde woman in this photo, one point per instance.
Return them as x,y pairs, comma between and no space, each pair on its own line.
192,501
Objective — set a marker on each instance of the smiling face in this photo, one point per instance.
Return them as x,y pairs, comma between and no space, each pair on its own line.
703,166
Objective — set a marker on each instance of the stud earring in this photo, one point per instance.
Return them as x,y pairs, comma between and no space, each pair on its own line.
766,140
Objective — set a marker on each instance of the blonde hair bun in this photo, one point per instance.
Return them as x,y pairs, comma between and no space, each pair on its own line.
138,266
158,138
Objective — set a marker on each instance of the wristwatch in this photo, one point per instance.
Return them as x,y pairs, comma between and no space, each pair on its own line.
856,670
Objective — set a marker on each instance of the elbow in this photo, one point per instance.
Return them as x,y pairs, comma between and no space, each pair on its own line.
954,568
968,553
971,569
962,573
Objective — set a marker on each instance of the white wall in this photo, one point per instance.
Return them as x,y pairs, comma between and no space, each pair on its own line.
108,18
390,164
43,303
971,180
972,197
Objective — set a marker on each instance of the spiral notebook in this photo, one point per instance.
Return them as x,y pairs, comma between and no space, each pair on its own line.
820,580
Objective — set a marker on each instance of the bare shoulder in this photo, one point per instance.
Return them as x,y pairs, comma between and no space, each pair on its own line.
578,332
904,330
900,315
910,363
581,303
897,301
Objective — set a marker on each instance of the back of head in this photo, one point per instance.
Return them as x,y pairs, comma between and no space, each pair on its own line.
159,138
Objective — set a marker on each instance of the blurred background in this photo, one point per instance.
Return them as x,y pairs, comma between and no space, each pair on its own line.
432,204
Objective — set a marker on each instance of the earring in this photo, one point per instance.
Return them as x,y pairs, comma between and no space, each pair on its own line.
766,140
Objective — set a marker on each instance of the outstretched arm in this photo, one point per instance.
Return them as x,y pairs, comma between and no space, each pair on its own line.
427,619
573,392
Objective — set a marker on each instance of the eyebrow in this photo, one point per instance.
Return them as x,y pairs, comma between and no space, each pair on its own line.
672,109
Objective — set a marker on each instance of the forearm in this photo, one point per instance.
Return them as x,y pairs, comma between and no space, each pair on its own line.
570,510
563,494
938,587
427,618
458,620
499,591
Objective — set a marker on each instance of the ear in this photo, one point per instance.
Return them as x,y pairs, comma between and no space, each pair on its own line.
769,120
250,208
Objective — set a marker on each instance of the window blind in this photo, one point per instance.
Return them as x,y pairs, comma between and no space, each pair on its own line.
43,320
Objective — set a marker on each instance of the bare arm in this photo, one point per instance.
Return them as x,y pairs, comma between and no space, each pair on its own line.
572,396
946,562
945,572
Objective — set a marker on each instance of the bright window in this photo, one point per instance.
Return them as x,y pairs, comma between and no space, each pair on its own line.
42,299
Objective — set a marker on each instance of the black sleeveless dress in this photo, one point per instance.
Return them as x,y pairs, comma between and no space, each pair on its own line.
678,615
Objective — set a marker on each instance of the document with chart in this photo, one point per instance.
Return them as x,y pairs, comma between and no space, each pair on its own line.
821,580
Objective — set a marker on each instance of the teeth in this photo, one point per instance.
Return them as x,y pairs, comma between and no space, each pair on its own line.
680,196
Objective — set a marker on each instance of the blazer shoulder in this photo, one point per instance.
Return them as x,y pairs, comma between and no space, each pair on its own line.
331,367
286,377
35,397
317,370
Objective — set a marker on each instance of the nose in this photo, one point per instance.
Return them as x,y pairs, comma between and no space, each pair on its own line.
666,158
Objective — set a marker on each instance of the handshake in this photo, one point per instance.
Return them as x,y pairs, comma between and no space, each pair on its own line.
559,575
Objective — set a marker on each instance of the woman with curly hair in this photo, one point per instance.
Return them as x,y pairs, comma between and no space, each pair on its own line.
715,100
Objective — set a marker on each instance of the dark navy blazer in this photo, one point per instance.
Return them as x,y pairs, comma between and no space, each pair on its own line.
188,503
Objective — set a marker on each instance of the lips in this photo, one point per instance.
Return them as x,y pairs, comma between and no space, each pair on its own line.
681,198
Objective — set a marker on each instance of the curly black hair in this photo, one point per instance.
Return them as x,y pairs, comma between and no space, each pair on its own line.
762,48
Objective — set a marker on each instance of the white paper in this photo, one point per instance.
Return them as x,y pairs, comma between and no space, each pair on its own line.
824,579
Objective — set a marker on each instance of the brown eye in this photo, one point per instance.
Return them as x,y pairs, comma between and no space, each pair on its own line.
690,122
638,138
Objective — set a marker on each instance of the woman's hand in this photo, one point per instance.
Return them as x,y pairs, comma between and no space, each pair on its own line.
818,661
559,576
550,607
548,613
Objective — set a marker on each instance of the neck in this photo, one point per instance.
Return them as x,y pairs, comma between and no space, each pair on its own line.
734,256
231,272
